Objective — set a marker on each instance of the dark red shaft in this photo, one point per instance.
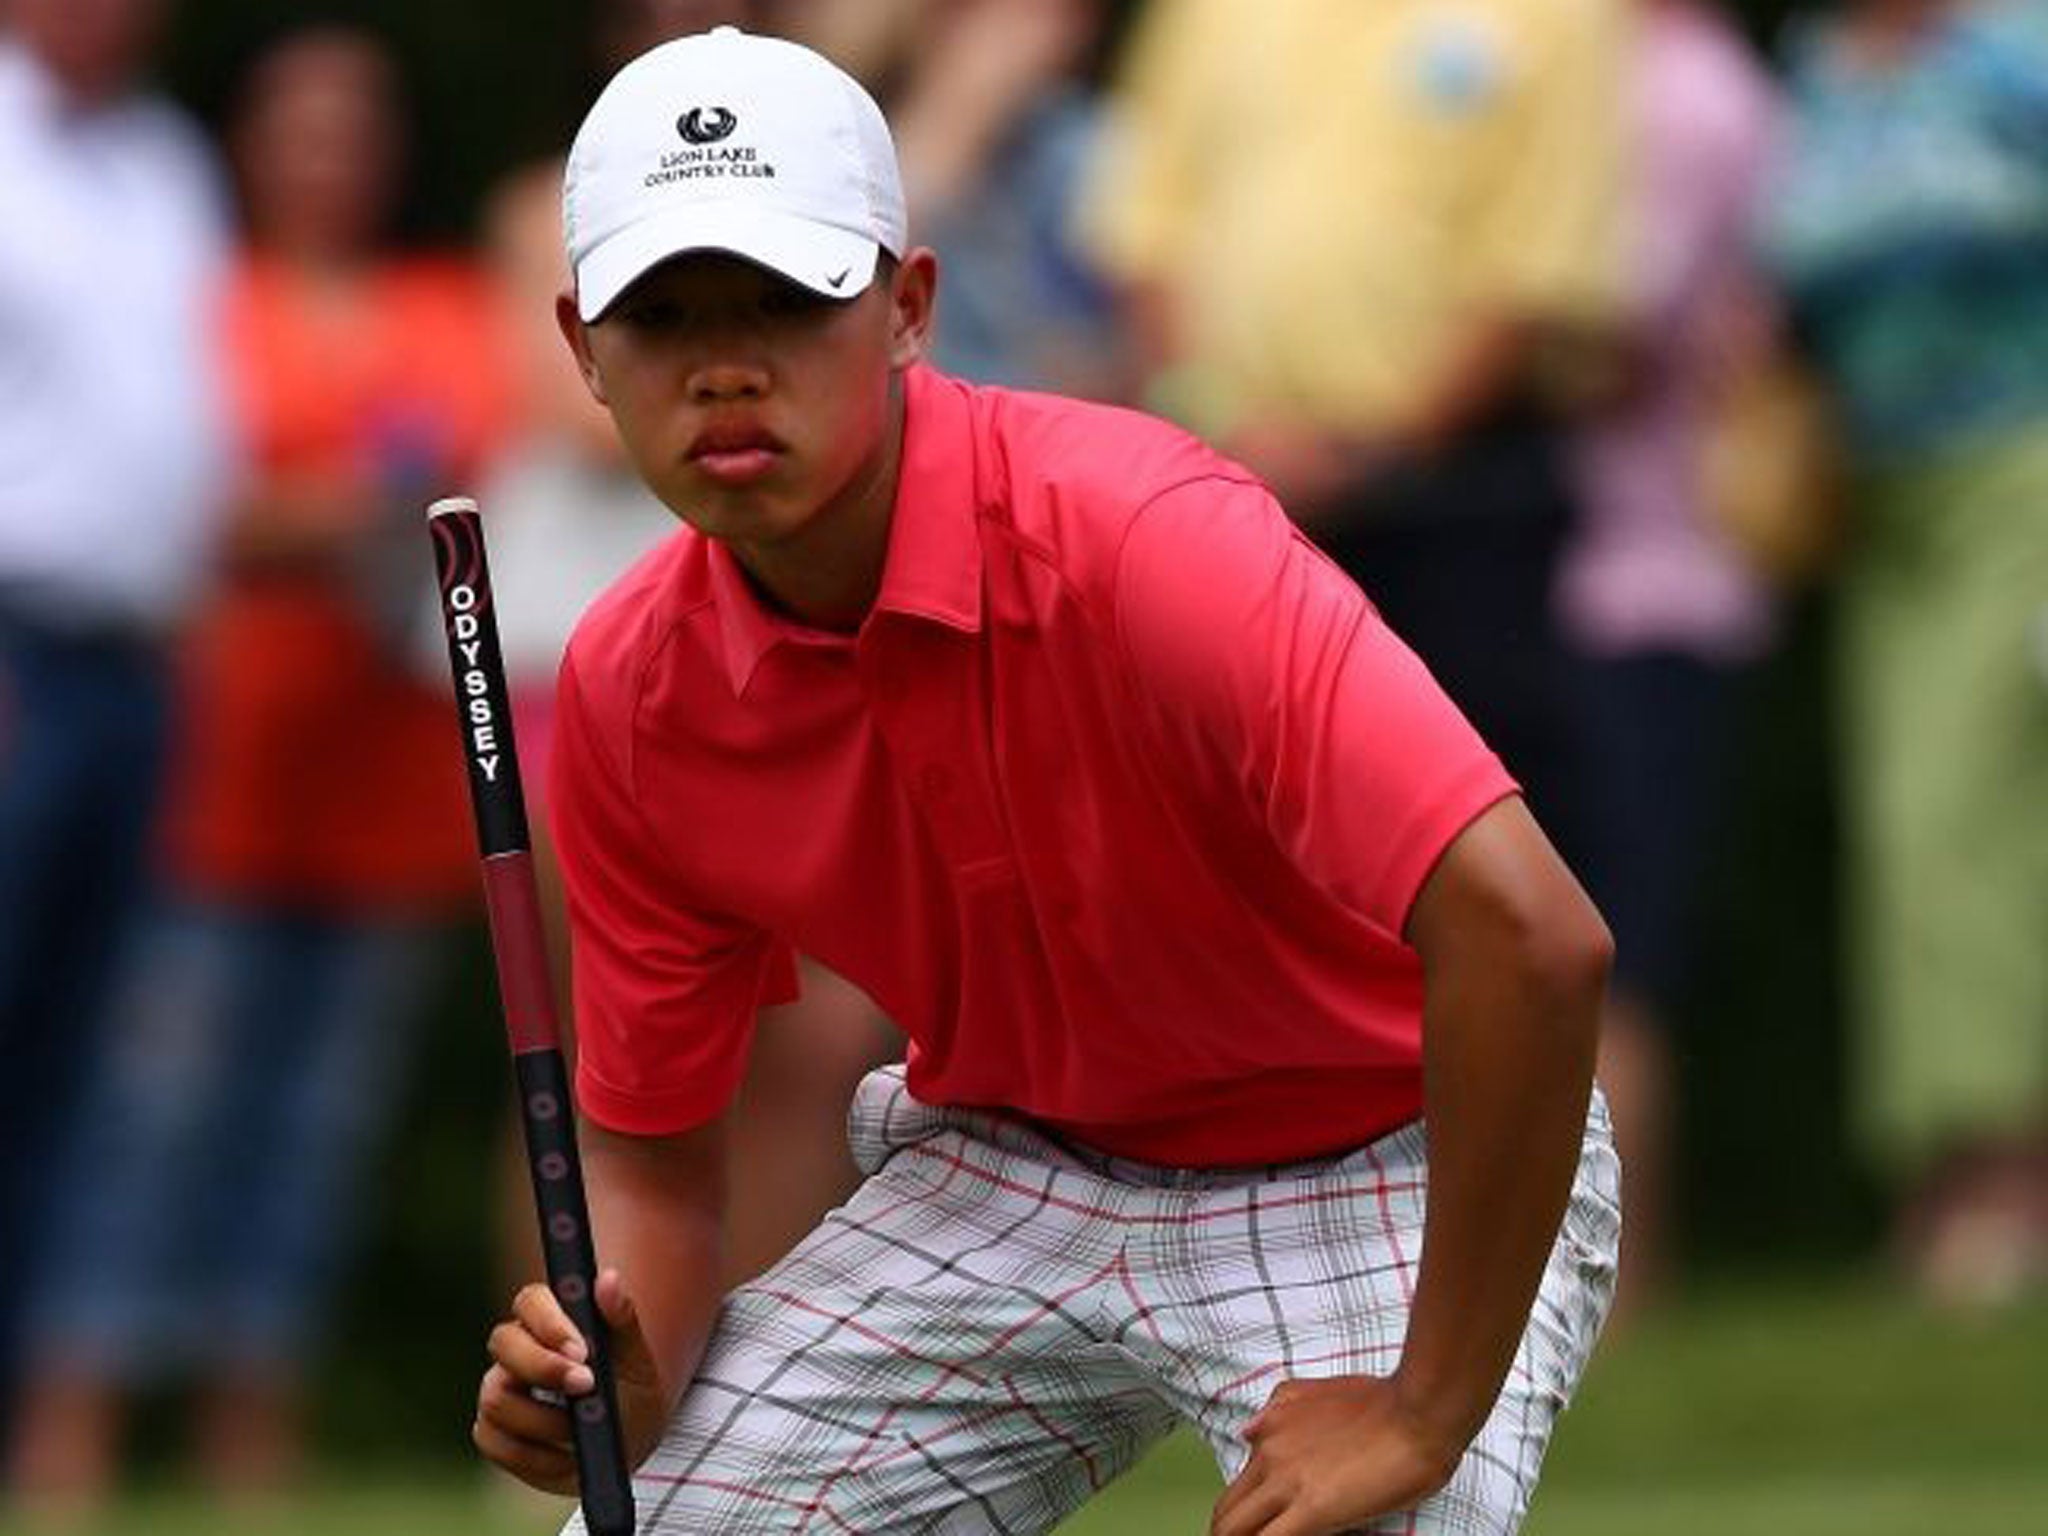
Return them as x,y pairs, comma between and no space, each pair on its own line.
525,983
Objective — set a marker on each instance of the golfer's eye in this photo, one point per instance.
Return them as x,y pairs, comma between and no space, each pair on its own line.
653,315
788,299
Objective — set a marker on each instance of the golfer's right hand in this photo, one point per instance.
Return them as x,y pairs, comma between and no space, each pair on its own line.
538,1348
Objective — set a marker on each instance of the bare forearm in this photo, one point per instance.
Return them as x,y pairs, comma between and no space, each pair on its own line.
1563,365
657,1215
1503,1144
1511,1023
296,523
1488,365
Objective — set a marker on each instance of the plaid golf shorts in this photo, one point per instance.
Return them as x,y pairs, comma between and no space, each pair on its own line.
998,1323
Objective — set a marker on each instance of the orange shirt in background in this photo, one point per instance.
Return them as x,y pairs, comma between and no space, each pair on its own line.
318,760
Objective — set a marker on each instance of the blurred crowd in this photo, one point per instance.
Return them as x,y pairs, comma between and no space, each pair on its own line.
1581,333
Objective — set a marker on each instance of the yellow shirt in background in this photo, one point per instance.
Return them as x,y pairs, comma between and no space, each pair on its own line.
1329,192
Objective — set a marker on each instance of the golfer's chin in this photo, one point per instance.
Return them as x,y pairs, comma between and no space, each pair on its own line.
761,512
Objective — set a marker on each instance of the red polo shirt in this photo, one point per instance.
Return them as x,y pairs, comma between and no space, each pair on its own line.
1116,803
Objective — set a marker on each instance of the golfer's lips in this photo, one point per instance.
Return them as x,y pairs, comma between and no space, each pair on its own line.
734,452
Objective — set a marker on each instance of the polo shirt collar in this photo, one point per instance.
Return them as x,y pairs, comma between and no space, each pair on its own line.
933,568
747,628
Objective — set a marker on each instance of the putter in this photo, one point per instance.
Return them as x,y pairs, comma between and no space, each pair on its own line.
526,991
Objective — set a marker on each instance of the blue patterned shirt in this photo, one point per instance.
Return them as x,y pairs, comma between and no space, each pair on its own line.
1908,220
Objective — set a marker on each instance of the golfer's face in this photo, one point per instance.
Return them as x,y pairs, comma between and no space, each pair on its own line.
747,402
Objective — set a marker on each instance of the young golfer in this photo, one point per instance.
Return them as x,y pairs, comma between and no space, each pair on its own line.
1251,1018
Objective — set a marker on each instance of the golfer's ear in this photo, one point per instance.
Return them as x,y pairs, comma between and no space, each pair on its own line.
913,296
577,335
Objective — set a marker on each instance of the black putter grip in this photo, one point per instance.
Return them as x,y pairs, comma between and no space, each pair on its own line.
545,1109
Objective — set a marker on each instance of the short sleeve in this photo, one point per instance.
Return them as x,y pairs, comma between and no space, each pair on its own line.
665,992
1258,657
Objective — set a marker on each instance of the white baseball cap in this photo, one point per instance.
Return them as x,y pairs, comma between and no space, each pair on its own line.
724,141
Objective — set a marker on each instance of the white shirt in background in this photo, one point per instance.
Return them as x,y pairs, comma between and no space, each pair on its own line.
563,527
114,450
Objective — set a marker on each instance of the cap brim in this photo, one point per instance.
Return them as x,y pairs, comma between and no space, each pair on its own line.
837,263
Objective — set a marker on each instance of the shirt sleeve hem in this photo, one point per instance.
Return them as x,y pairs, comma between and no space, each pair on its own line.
1466,796
642,1114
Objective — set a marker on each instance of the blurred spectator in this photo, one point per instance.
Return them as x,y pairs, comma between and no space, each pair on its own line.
113,452
628,28
1910,225
1362,241
996,128
1655,603
317,832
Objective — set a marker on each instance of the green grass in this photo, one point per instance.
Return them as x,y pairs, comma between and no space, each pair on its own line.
388,1506
1811,1411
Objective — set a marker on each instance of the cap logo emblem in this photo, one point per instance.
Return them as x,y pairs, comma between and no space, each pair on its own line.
707,125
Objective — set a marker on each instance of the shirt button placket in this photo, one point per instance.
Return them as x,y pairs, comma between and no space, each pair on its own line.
930,727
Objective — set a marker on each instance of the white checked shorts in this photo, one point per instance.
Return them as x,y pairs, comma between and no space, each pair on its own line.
999,1323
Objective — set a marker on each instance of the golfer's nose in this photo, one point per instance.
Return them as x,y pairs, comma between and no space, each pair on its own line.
722,380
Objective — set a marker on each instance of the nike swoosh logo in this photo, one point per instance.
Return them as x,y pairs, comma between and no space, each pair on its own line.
842,277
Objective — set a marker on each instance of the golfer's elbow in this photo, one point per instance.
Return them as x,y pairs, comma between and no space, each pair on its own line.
1503,911
1565,957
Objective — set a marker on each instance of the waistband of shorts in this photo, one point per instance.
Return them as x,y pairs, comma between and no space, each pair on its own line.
885,1118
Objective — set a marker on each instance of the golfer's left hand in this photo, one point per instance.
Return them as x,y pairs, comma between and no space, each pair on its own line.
1332,1456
